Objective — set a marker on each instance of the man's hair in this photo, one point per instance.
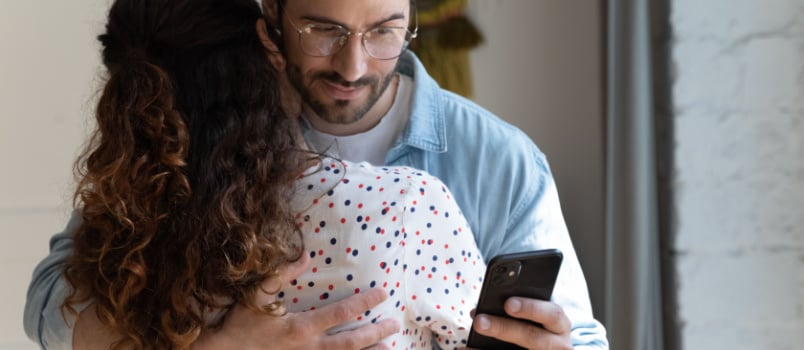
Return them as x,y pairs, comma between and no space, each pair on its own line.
185,184
283,2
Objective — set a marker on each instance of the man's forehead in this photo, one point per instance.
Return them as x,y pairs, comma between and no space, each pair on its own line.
344,3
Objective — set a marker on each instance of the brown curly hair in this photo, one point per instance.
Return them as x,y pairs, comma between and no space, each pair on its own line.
184,185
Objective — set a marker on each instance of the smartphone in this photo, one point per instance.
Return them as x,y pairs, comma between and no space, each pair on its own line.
528,274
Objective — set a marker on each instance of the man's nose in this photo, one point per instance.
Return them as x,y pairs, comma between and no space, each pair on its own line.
351,61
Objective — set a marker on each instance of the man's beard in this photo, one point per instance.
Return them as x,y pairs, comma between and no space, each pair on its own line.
338,114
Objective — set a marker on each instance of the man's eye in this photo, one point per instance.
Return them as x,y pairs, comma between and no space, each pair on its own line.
384,30
325,29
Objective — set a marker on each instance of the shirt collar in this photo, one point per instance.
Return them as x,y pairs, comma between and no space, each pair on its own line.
426,128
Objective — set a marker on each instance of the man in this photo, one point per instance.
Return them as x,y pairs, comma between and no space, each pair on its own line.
363,101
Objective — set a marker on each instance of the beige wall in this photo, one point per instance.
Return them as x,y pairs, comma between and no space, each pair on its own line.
47,68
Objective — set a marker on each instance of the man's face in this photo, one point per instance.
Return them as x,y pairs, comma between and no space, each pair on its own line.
343,87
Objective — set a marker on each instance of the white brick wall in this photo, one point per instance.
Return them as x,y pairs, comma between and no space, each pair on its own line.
739,143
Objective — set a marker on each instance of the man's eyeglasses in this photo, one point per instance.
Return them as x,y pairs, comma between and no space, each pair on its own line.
382,42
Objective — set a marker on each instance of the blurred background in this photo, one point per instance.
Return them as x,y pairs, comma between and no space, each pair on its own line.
674,128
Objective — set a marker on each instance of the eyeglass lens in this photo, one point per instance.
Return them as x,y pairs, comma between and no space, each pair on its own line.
380,42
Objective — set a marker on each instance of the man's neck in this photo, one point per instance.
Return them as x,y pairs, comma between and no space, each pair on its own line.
369,121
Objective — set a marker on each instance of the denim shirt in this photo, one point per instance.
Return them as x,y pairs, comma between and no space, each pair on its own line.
500,179
502,183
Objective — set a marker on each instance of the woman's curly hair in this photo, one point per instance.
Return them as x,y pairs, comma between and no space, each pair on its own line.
184,186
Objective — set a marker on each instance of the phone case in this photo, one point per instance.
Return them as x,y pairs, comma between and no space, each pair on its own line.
527,274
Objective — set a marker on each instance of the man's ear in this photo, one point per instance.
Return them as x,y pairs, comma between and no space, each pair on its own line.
274,54
271,11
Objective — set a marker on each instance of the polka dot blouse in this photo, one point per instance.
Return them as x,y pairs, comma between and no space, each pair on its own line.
394,228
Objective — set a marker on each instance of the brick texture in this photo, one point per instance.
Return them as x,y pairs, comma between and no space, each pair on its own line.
738,95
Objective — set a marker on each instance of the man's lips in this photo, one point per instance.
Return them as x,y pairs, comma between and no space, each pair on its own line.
342,92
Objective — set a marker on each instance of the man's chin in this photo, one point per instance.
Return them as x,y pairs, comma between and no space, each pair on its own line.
339,116
339,112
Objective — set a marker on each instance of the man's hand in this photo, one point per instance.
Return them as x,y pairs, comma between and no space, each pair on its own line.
554,336
246,329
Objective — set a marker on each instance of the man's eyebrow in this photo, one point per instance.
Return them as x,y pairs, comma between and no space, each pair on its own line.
326,20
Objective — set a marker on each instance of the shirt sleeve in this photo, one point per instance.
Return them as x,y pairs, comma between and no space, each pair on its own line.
445,269
43,319
538,223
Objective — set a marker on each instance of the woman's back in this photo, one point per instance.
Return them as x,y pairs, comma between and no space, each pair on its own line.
394,228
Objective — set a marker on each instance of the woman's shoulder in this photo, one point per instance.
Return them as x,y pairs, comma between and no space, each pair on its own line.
383,174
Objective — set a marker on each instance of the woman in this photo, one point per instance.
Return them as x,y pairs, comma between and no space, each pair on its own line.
196,188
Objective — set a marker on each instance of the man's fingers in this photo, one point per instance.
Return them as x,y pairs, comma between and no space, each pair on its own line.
554,335
293,270
342,311
517,332
546,313
288,273
365,337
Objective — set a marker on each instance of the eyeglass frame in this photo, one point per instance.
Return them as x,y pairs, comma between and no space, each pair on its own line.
346,33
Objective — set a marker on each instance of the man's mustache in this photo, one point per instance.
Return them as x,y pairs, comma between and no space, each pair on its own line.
335,78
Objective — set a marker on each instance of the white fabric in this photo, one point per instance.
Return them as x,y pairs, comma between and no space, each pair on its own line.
394,228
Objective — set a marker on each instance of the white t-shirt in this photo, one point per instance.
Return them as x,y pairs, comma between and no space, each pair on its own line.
370,146
395,228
